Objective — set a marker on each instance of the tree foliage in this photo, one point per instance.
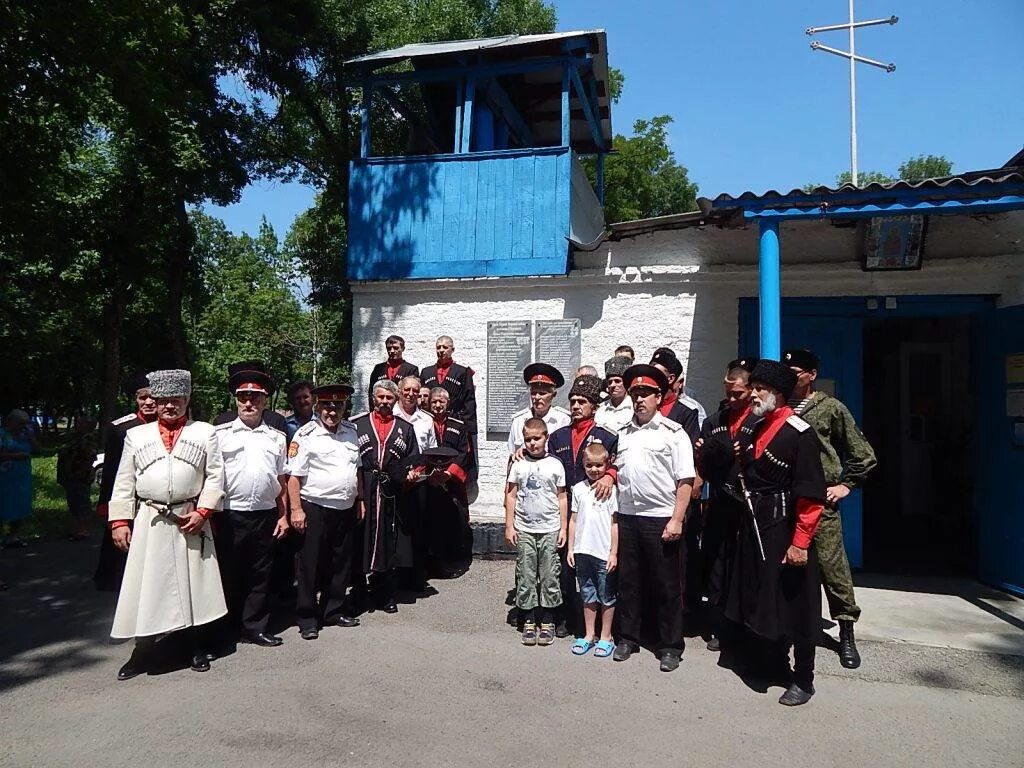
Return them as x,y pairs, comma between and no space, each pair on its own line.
913,169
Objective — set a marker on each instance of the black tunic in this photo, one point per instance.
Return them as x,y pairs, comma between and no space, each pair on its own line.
725,507
380,373
687,418
387,540
773,600
461,402
449,535
110,566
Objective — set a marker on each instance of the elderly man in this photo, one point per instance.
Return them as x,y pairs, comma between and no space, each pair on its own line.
567,444
775,590
447,504
717,462
395,368
270,417
254,512
544,382
458,380
846,458
387,452
110,567
323,491
412,502
617,411
655,477
169,482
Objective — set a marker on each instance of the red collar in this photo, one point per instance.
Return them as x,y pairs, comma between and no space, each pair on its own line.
169,433
667,402
444,366
770,427
735,420
580,429
382,419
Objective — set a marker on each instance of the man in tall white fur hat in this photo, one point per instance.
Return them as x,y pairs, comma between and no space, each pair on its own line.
169,481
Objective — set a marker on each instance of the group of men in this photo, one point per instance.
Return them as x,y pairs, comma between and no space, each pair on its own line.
735,514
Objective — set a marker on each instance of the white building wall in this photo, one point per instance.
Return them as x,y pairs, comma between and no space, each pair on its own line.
693,309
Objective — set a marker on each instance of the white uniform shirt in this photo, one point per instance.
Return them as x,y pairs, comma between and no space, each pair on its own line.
614,418
651,460
593,529
422,424
326,464
537,481
253,461
555,418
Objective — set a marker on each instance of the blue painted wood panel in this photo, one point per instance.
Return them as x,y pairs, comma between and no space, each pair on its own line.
486,214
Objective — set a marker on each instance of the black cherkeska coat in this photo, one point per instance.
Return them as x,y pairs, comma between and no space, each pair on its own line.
380,373
687,418
560,446
110,566
461,402
447,507
773,600
387,541
725,507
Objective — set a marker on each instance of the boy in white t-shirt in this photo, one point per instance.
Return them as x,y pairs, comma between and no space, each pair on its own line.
536,507
593,552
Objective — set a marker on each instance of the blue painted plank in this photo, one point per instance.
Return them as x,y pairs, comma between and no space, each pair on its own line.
486,201
469,212
524,199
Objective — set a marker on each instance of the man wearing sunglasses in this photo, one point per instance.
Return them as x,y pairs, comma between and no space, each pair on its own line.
323,459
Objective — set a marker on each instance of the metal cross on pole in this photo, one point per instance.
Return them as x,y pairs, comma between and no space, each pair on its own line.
853,58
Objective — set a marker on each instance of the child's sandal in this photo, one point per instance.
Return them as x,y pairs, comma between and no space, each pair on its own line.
546,636
582,646
529,633
604,649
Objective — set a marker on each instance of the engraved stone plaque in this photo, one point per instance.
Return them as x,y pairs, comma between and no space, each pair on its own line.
509,343
558,344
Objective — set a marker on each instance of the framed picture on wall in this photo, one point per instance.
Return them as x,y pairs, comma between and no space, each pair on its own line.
893,243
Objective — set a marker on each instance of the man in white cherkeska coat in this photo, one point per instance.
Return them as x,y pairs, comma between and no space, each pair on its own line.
169,481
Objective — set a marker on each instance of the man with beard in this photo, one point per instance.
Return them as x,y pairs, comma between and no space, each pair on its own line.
655,478
846,458
110,568
775,590
447,505
323,491
544,382
567,444
717,462
170,482
458,380
255,511
617,411
395,368
387,449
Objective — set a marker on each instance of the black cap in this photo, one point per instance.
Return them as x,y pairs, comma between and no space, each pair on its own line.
616,366
247,365
745,363
666,358
329,392
542,373
440,452
587,386
803,359
776,375
134,383
251,381
645,375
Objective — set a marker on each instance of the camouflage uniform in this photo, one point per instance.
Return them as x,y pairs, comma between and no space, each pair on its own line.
847,458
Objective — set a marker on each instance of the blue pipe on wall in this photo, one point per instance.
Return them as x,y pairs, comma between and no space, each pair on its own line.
770,291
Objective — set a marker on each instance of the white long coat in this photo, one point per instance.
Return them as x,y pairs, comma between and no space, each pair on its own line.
171,581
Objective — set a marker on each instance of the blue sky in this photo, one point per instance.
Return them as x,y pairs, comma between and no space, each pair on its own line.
754,108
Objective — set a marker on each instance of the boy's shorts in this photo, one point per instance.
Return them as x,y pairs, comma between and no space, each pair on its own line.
596,584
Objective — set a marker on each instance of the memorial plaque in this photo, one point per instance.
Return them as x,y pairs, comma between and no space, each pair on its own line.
558,344
509,344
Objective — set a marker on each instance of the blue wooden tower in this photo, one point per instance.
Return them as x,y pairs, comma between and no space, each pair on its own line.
489,183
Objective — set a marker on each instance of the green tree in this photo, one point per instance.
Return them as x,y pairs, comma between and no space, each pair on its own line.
642,177
864,178
925,167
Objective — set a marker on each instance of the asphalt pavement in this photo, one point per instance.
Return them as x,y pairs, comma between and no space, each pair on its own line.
444,682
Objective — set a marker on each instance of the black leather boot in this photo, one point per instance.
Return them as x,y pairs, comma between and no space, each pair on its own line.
848,655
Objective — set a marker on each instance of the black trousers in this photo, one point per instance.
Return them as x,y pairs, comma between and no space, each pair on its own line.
803,665
323,564
111,563
650,582
245,550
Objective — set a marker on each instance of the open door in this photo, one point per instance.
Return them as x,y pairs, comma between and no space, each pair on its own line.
999,449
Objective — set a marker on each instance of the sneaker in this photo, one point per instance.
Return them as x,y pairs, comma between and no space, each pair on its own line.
547,634
529,633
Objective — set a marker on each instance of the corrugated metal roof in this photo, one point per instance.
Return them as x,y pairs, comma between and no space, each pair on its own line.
946,183
417,50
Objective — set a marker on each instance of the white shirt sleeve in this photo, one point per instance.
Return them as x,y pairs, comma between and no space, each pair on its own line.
559,474
513,473
298,465
682,457
281,459
613,500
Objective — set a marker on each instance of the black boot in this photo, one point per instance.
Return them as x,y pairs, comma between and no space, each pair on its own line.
848,655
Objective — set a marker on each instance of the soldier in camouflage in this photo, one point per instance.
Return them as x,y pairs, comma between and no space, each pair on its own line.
847,458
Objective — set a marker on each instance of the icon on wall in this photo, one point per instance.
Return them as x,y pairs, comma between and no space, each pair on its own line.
893,243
